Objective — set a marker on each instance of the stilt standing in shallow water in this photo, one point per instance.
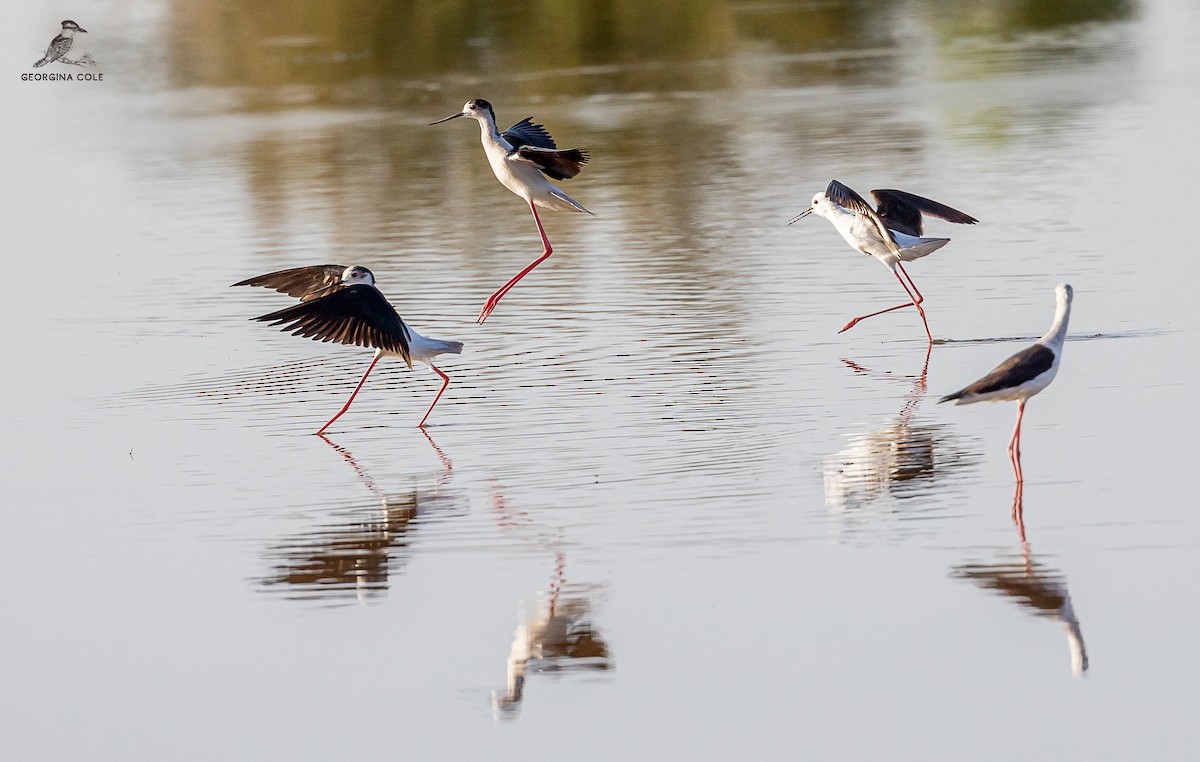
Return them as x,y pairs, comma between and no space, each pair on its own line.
522,157
1024,374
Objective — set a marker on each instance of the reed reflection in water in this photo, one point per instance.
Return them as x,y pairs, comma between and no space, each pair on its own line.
622,47
354,556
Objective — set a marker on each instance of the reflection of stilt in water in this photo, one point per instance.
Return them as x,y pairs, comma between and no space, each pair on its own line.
560,636
1033,586
896,458
354,556
446,464
1018,516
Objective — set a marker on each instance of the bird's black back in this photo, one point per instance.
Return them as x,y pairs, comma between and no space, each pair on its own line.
528,133
1025,365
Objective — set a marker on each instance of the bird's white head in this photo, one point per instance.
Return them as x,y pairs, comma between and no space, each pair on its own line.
352,276
820,204
1064,293
71,26
477,109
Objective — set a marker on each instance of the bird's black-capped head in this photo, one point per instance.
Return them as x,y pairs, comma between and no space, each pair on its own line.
71,25
357,274
476,108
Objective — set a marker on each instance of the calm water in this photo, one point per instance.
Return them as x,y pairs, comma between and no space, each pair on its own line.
664,509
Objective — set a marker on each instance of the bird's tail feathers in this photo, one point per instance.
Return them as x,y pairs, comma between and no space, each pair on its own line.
561,202
922,247
41,62
451,347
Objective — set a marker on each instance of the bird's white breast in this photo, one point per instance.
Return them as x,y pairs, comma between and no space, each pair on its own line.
519,177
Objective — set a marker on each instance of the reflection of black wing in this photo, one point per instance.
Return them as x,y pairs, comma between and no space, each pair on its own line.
1025,365
351,558
1034,586
560,165
300,282
358,315
528,133
902,211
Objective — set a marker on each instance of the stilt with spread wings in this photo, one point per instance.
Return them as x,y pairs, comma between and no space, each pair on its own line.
891,233
342,304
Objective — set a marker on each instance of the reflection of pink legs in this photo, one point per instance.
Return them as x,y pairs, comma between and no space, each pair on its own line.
1014,444
556,582
913,294
504,517
446,464
363,476
445,383
1018,514
495,298
352,395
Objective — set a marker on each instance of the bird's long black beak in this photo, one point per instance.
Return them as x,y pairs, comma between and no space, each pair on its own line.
455,116
801,216
82,30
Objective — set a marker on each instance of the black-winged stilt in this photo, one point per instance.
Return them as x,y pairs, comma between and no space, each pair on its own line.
342,304
891,234
523,157
1024,374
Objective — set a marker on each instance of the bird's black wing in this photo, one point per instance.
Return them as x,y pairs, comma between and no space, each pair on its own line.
559,165
1025,365
528,133
847,199
902,211
300,282
358,315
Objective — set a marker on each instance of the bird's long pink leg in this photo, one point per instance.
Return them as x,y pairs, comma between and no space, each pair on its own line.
352,396
445,383
1014,445
916,297
913,295
495,298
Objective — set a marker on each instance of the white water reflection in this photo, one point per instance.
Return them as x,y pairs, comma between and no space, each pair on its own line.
561,635
899,468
